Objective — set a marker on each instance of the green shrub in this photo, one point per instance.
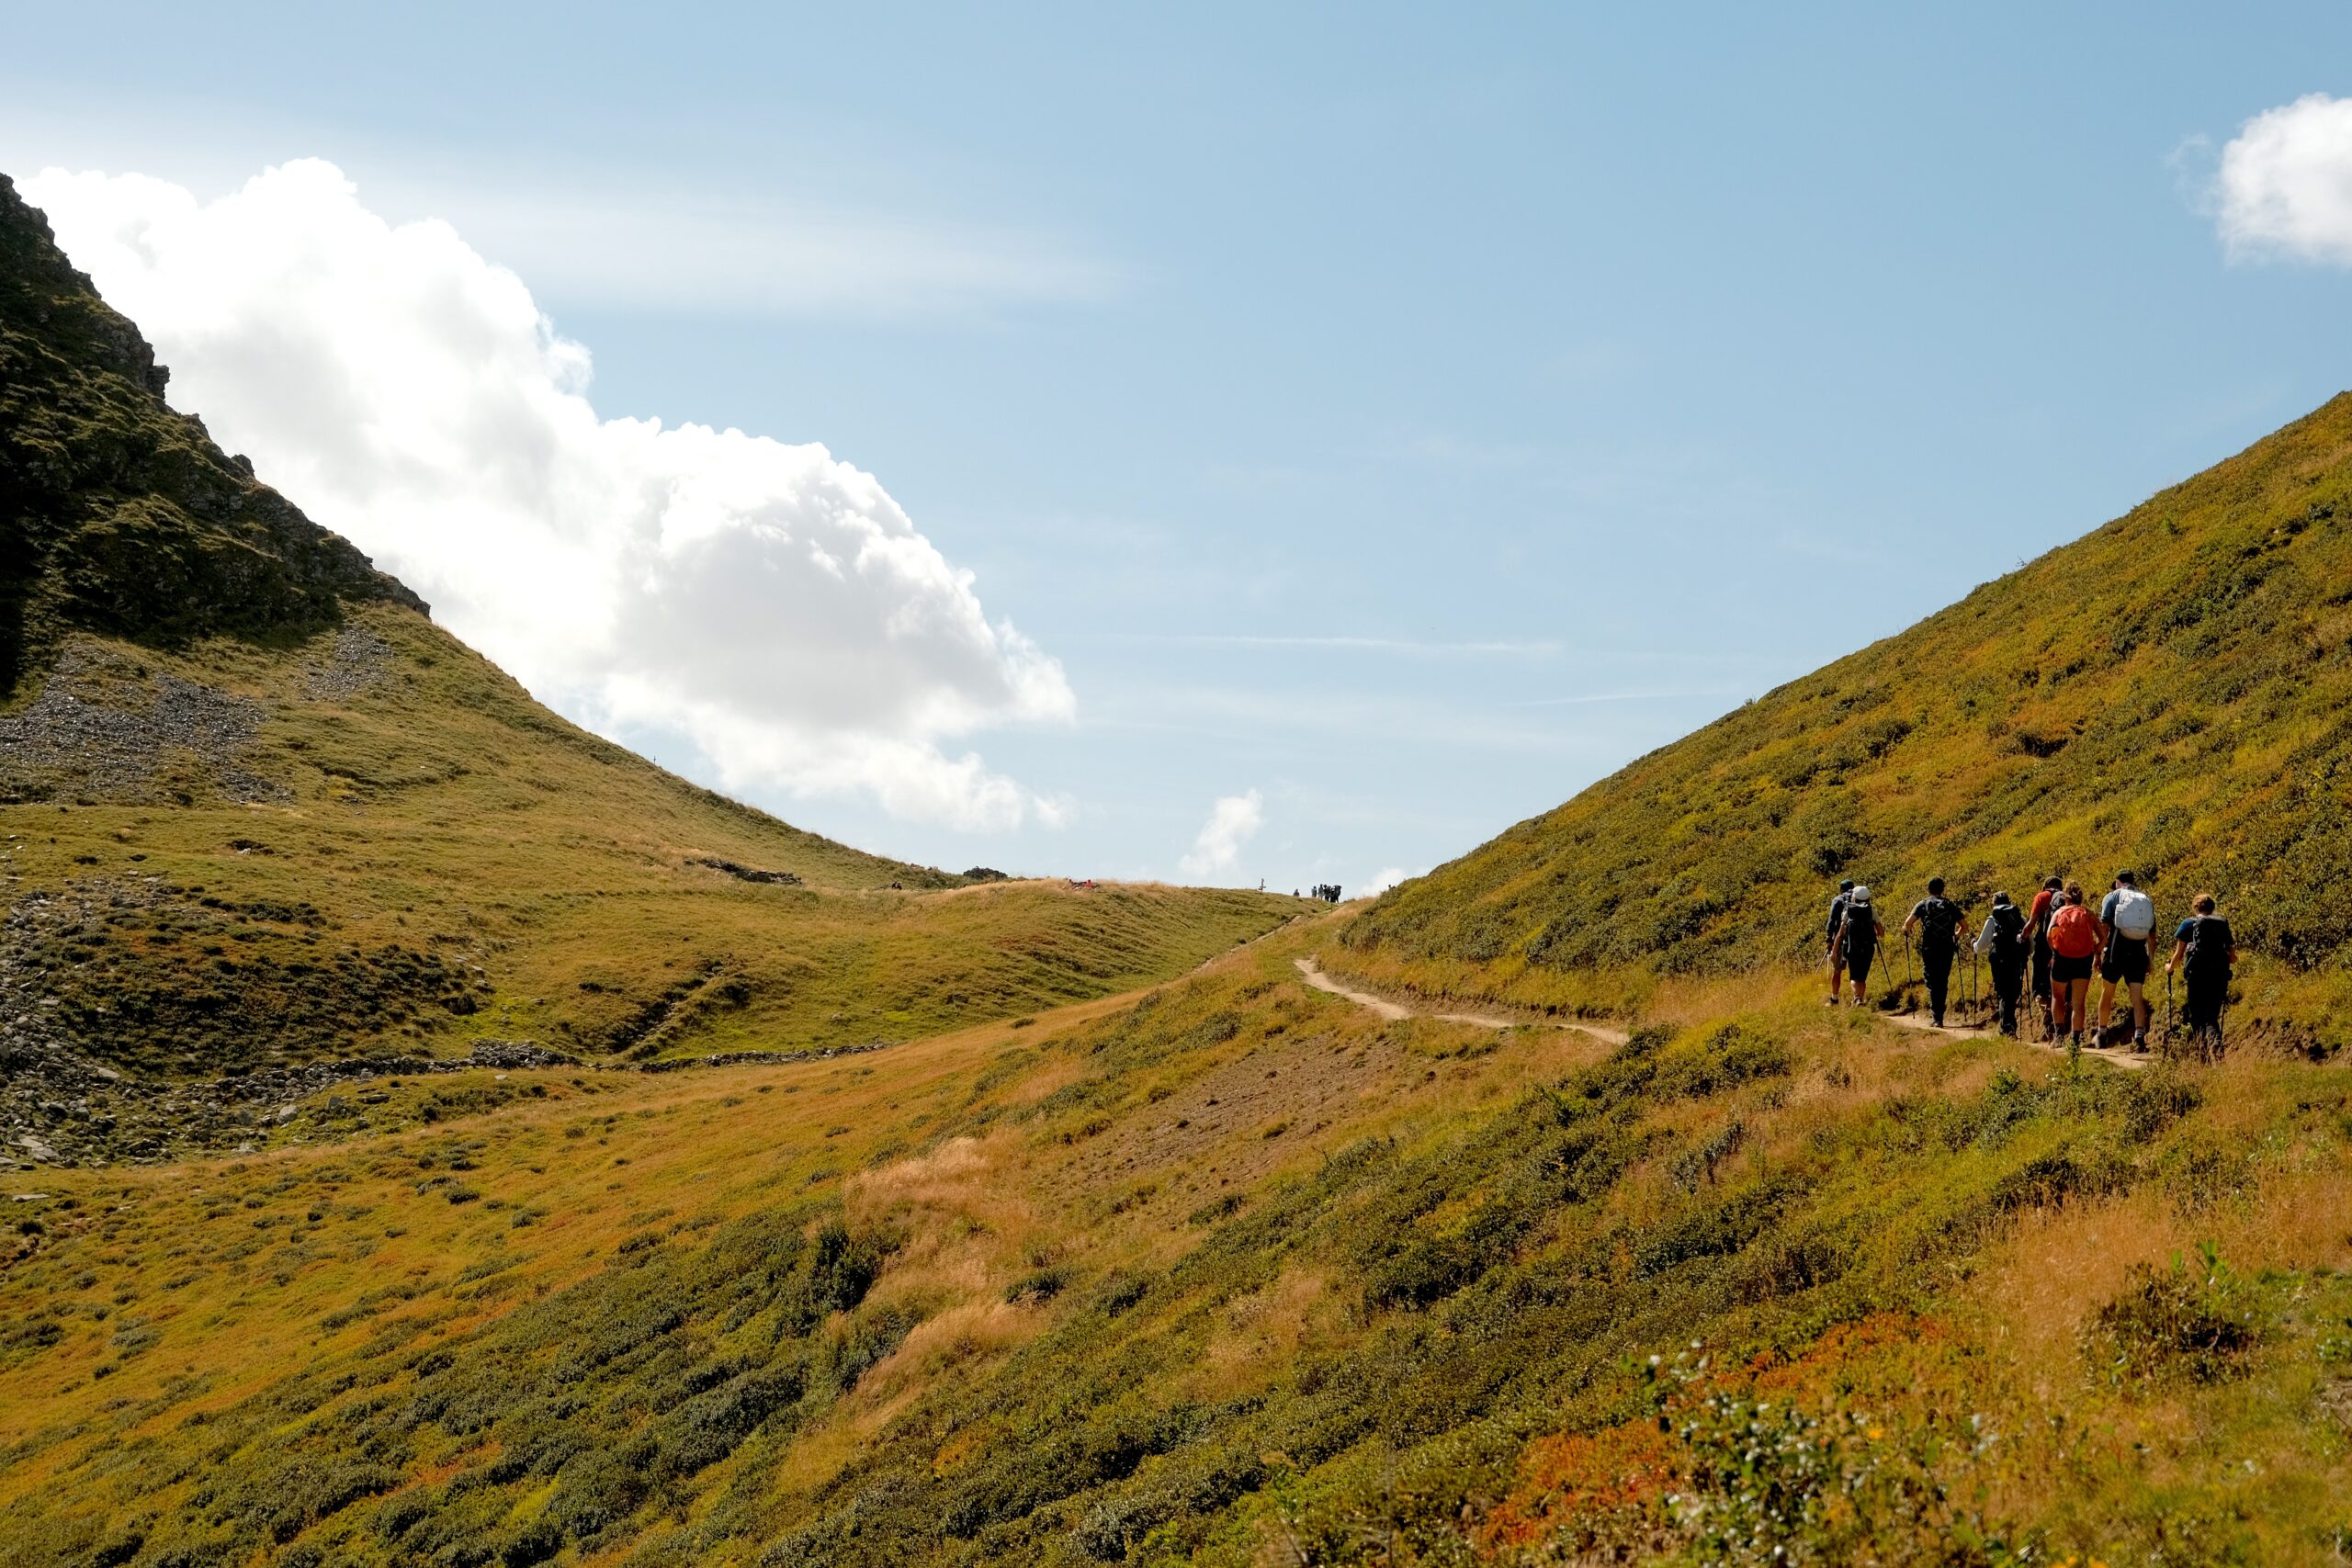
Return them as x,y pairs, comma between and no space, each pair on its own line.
2200,1321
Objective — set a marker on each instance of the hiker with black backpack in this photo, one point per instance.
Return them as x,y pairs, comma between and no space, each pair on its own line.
2129,917
1937,919
2005,947
2075,939
1859,934
1831,953
2204,945
2037,922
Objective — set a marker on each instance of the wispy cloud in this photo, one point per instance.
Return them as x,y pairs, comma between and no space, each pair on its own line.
1586,698
1252,713
1800,541
831,240
683,252
1535,648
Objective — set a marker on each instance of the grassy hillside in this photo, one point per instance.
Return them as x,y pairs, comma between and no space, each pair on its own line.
1240,1274
2166,693
261,812
1094,1265
395,848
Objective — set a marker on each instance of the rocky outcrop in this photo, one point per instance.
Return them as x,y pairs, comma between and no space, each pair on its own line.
60,1107
120,516
741,873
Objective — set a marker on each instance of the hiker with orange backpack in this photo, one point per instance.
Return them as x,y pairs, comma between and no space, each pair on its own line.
2076,937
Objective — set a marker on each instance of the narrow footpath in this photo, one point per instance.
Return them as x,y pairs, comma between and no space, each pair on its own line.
2130,1061
1387,1009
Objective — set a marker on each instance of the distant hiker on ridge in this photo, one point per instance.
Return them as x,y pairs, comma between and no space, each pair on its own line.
2005,948
1858,938
2129,917
1936,919
2205,940
2037,924
1830,951
2075,938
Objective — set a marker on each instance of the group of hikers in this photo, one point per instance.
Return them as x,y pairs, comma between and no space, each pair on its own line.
2062,943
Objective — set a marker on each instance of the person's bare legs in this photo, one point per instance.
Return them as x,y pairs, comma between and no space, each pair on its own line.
2106,1005
2139,1009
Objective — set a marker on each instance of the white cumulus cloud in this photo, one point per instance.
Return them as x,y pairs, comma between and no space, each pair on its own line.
2283,188
768,601
1388,877
1233,821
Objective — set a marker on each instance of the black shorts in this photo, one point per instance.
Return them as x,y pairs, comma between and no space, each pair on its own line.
2125,961
1858,964
2062,968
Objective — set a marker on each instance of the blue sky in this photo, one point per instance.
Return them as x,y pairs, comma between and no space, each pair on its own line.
1409,416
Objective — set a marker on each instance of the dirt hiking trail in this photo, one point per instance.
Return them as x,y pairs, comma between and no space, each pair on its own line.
2130,1061
1388,1010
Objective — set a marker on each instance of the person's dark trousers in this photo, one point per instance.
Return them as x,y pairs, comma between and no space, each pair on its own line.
2009,985
2204,1009
1935,963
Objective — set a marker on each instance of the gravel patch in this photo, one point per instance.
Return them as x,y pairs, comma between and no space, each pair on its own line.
106,730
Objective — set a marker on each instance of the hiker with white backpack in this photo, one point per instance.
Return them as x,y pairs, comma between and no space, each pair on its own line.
1859,934
2129,918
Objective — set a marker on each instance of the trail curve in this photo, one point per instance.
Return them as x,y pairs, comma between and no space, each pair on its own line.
1382,1006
